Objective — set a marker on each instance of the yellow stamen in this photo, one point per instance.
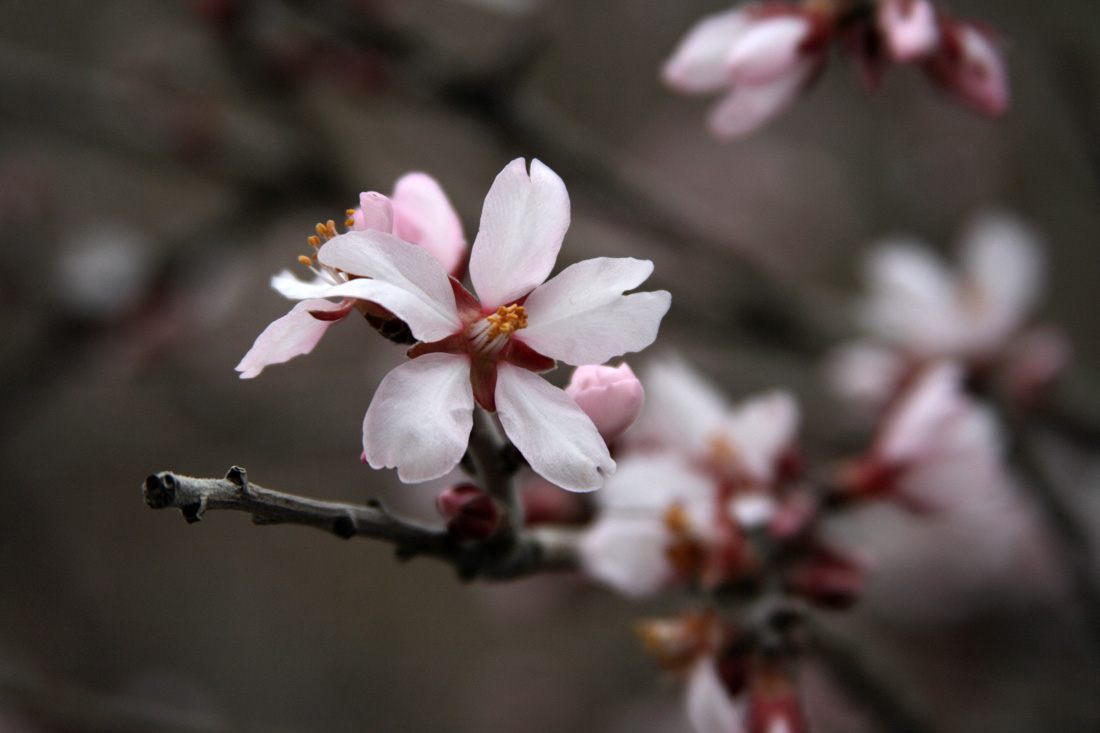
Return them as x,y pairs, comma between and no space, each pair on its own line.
315,241
349,223
507,320
350,212
305,260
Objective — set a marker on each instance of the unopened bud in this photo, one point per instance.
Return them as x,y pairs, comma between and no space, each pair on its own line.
611,396
471,514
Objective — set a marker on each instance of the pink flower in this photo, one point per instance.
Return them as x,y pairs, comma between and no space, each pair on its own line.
704,473
485,351
918,310
932,425
419,212
909,27
764,55
611,396
970,67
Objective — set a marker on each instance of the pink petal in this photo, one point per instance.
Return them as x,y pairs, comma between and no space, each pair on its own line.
629,554
423,215
420,418
682,409
1002,259
910,28
864,374
709,707
375,213
698,65
921,414
912,299
762,428
295,333
522,226
582,317
750,106
650,484
289,286
767,48
405,279
555,436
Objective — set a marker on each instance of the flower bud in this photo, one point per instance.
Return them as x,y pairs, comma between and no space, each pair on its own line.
611,396
471,514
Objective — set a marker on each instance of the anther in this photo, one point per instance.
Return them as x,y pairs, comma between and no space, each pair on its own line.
305,260
315,241
349,223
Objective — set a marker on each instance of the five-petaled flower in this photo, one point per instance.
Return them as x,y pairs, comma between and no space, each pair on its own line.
485,349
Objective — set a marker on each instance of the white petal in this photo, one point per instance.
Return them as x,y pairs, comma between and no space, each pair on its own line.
423,215
698,65
295,333
1002,259
911,302
922,413
553,434
420,418
767,49
750,106
753,510
761,428
650,484
405,279
582,317
864,374
523,224
289,286
709,707
682,409
629,554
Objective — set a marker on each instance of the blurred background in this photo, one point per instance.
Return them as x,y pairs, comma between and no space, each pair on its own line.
160,161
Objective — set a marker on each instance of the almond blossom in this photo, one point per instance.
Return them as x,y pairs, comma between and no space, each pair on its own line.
764,55
419,212
484,350
703,474
933,424
917,310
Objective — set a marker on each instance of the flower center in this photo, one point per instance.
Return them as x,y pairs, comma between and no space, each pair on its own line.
488,336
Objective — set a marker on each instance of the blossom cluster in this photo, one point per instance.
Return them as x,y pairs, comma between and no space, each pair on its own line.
763,56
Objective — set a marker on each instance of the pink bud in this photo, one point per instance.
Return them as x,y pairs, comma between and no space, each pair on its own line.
969,65
471,514
909,27
611,396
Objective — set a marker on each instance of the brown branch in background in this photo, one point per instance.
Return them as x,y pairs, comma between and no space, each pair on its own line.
496,558
1054,502
75,708
864,686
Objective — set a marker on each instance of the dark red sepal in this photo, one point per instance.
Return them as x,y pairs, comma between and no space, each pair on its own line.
483,378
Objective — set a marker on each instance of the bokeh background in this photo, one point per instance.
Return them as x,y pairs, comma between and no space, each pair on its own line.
160,161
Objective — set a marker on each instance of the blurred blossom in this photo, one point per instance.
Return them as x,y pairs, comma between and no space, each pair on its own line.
611,396
933,423
696,476
104,271
918,310
765,55
761,56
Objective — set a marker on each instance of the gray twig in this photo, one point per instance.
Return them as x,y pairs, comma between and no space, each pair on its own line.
497,558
